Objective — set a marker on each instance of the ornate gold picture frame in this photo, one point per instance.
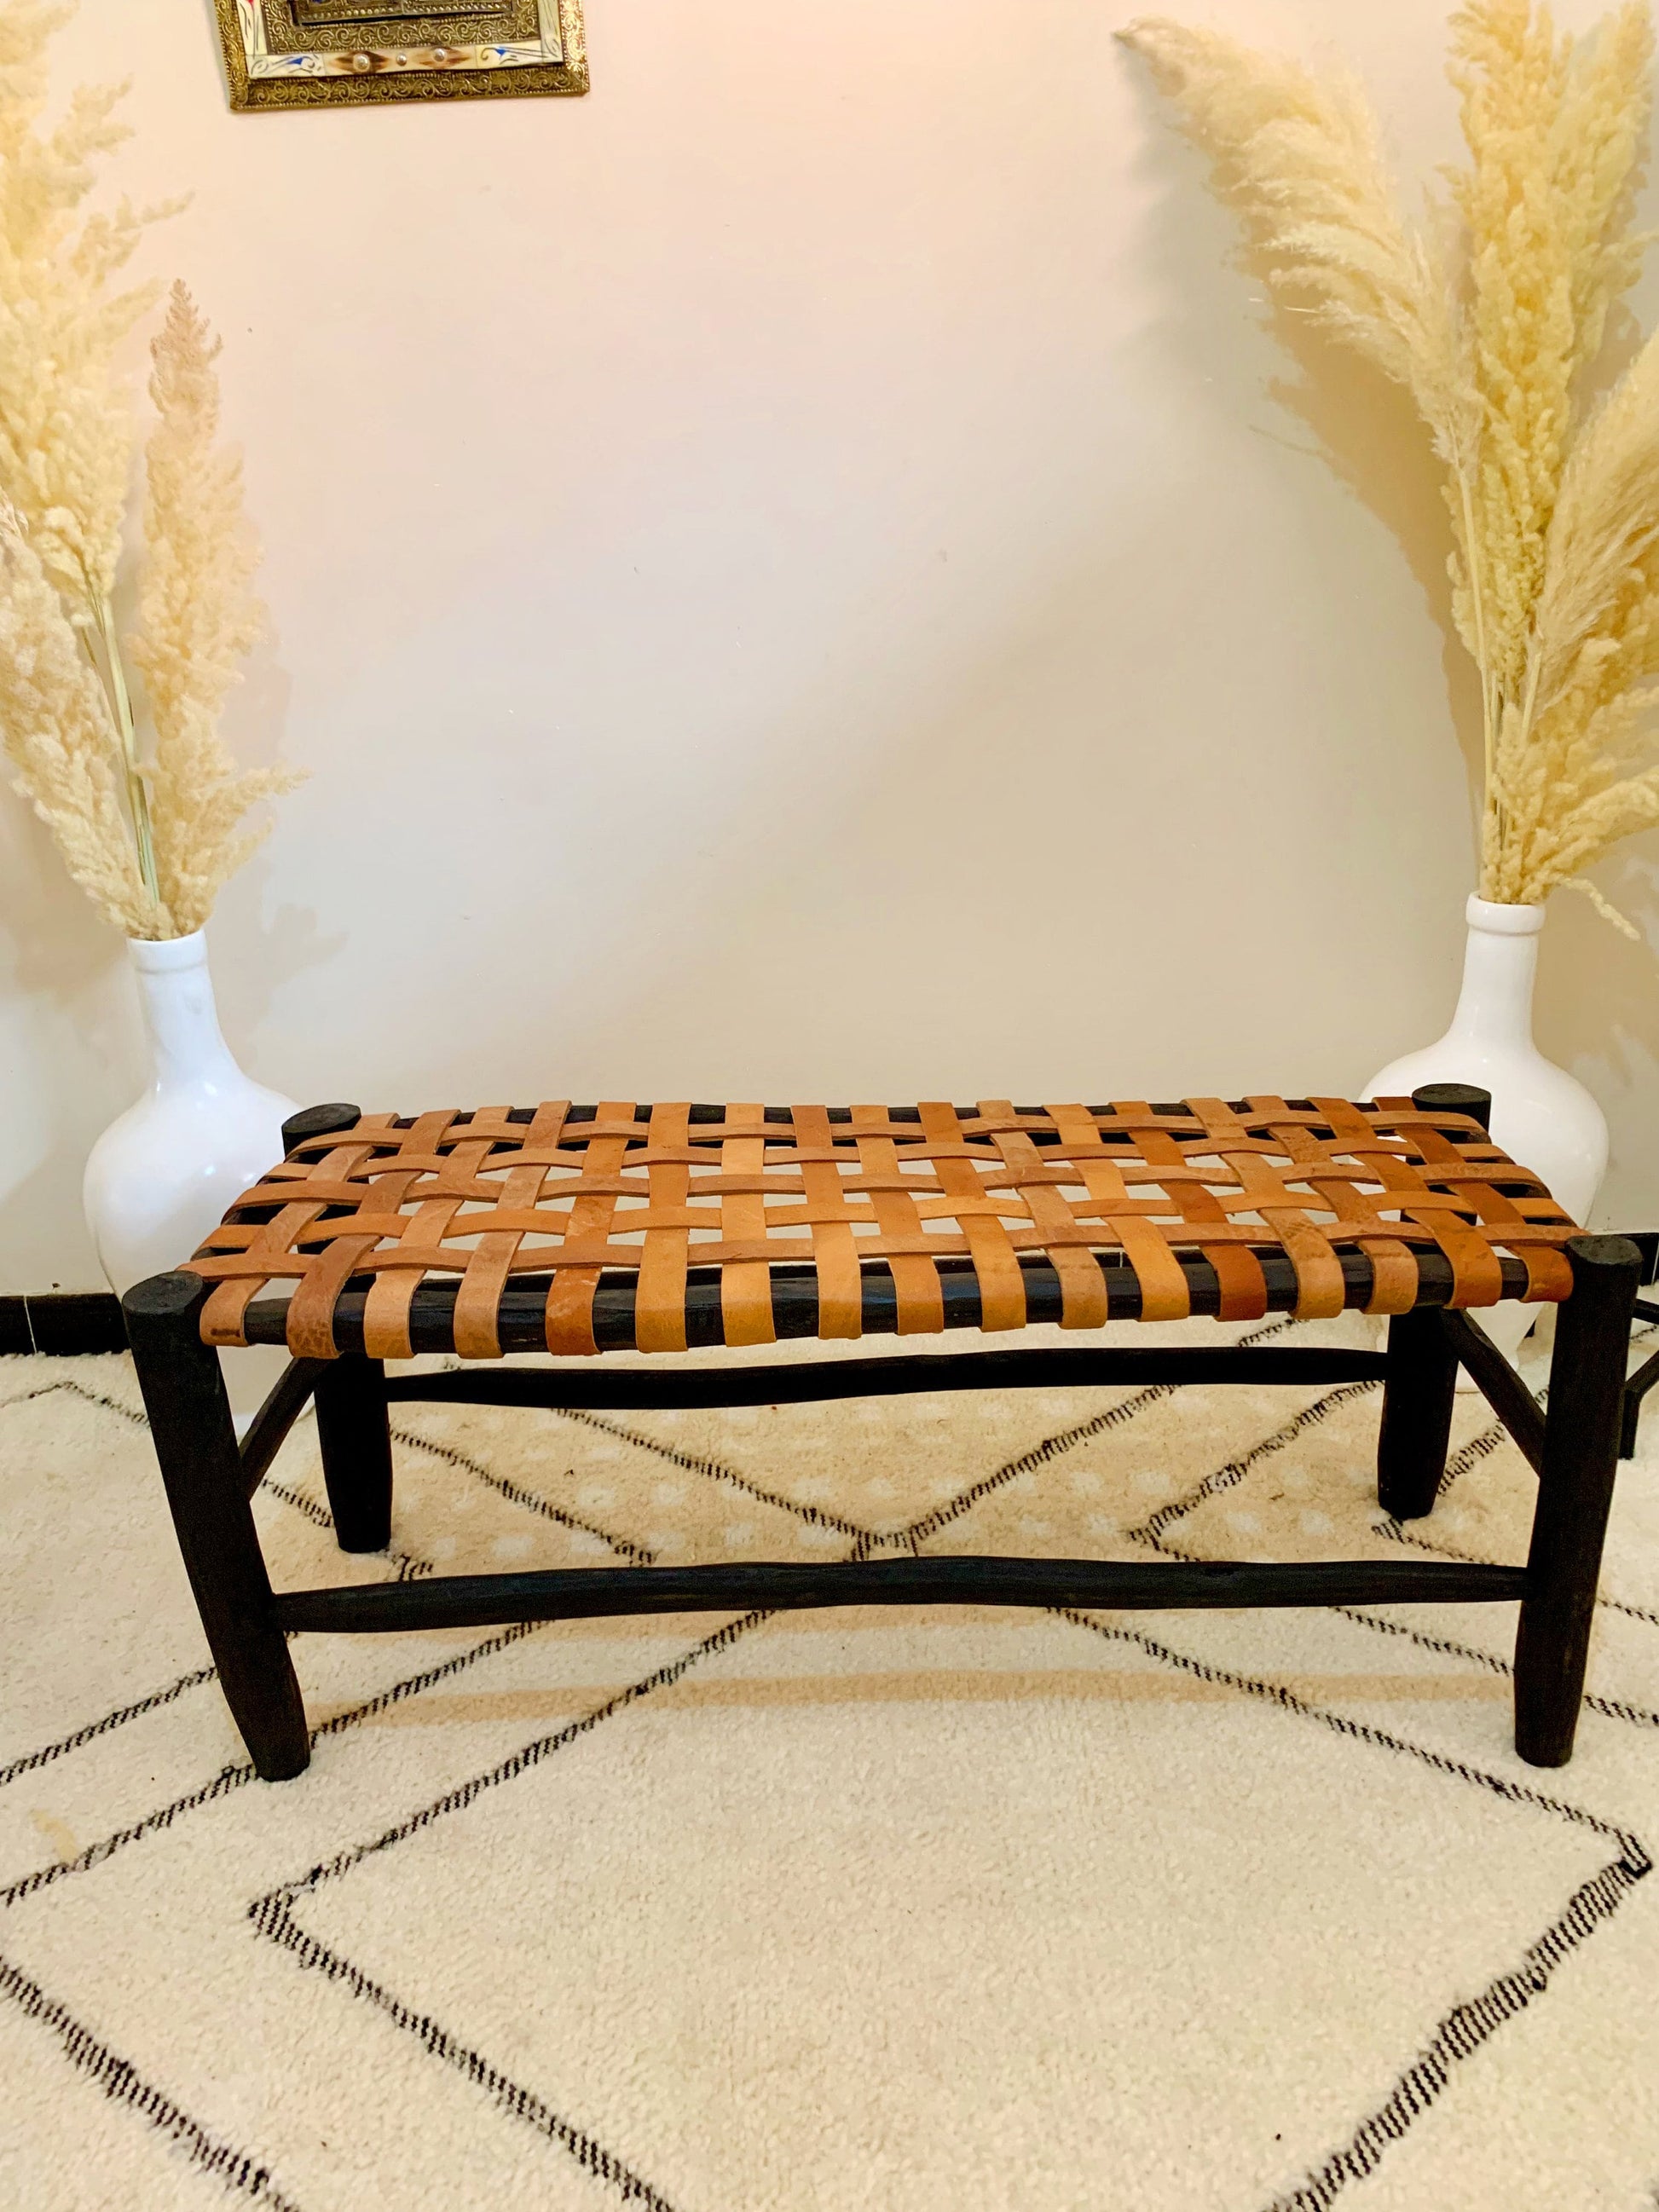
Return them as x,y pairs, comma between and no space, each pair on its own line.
324,54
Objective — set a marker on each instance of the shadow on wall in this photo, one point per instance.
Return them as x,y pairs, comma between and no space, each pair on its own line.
1598,1014
1363,427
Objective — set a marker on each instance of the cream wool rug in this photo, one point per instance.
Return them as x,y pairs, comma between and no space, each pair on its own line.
929,1912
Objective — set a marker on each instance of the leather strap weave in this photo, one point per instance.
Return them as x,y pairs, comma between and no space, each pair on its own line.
568,1197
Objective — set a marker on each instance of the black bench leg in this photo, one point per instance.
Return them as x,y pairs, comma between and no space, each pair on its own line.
356,1446
196,1443
1575,1492
1421,1385
1418,1395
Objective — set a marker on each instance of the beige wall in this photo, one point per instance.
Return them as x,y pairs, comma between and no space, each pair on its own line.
803,574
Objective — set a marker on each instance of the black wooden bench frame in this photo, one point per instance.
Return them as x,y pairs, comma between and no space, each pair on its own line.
1573,1449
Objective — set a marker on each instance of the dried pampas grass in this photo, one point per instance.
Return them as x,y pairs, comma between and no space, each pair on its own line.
56,718
1489,311
150,834
199,617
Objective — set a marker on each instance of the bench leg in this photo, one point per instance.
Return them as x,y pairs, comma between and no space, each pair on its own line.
196,1443
1575,1492
353,1430
1419,1393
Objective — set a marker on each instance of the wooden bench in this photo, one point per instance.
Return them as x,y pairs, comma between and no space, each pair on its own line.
581,1231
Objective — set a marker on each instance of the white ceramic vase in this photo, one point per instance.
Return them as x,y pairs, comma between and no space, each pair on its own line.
1543,1117
160,1176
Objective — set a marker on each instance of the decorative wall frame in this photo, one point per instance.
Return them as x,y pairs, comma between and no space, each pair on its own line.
325,53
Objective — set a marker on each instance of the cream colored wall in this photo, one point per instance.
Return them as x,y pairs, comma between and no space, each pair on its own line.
801,575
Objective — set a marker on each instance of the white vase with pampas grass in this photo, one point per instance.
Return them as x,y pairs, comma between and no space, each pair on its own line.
1491,313
132,777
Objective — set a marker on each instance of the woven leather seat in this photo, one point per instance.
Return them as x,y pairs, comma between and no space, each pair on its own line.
578,1228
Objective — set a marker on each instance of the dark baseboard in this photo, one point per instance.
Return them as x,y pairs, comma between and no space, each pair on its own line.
62,1322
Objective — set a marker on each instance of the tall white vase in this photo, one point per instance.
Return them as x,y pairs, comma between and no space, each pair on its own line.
1543,1117
160,1176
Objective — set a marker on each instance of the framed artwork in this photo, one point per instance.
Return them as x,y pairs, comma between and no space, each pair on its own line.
324,54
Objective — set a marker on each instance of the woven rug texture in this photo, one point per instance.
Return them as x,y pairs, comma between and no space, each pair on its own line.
927,1911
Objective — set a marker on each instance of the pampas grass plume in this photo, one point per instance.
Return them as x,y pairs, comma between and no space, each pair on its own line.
1489,310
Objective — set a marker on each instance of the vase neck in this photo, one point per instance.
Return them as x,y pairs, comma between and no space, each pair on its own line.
1495,1004
181,1023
